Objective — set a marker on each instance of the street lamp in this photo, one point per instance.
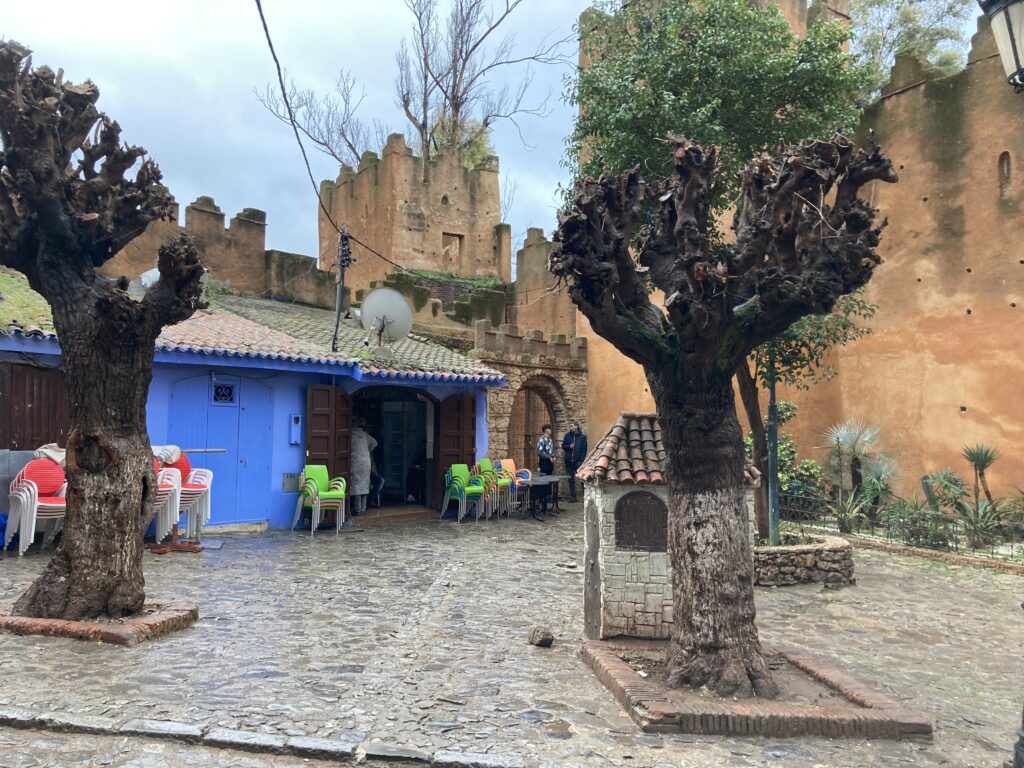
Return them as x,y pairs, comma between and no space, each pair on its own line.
1007,17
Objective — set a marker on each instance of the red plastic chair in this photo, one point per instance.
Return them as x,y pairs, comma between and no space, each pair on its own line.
37,493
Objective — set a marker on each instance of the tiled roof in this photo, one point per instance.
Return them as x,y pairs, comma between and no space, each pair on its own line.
262,329
217,332
412,357
632,453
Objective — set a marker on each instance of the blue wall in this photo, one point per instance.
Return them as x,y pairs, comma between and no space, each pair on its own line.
245,494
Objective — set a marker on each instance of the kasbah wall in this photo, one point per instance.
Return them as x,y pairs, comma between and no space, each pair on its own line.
451,224
944,364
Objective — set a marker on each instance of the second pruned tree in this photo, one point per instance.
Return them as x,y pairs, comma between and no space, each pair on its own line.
804,237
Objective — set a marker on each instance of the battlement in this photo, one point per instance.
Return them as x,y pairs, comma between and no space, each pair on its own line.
450,223
505,344
235,256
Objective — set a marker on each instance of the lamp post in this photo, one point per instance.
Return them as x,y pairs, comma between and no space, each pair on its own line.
1007,18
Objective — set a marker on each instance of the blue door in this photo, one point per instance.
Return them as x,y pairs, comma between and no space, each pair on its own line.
232,414
253,483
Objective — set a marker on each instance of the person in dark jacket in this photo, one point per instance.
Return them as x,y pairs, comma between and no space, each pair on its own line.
574,446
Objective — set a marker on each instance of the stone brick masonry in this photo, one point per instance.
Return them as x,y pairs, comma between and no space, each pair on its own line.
827,559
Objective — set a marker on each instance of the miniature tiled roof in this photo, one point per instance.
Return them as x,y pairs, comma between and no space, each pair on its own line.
632,453
412,357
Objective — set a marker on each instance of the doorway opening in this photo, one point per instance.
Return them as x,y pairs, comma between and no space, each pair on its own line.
402,423
530,411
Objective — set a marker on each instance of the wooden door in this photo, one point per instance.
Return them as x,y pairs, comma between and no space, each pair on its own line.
456,437
320,409
35,407
329,429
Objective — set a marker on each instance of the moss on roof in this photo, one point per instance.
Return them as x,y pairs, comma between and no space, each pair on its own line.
21,305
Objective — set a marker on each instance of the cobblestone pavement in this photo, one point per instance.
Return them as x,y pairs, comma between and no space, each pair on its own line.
416,635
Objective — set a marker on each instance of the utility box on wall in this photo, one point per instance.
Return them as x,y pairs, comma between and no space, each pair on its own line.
295,429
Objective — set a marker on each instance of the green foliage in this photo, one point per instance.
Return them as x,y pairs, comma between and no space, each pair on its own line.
944,489
981,524
722,72
469,138
850,513
914,522
933,28
800,351
980,456
801,481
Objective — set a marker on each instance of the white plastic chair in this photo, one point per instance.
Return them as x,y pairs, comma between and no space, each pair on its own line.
168,501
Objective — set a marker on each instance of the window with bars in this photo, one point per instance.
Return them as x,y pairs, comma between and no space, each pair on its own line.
641,523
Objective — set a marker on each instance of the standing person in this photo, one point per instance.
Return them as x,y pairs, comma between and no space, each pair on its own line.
546,455
574,446
362,464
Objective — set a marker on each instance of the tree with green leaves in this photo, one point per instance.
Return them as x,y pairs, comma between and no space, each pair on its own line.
980,457
722,72
932,28
798,357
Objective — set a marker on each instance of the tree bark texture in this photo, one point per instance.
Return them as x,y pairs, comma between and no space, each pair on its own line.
750,396
803,239
67,206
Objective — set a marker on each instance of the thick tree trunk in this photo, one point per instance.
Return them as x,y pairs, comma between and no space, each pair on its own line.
747,385
108,365
714,641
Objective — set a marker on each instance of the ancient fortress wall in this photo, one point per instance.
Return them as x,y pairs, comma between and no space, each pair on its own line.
451,224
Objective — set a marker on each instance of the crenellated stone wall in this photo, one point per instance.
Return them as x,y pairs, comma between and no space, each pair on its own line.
555,368
234,256
451,224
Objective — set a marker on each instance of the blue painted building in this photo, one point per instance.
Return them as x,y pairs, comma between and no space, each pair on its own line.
254,382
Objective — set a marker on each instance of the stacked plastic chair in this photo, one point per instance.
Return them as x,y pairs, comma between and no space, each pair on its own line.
497,498
519,480
461,486
319,494
168,499
194,500
37,494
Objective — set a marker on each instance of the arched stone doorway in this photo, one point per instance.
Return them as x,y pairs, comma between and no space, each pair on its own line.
539,400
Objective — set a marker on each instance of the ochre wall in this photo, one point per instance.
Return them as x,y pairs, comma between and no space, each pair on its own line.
932,376
534,302
945,364
386,205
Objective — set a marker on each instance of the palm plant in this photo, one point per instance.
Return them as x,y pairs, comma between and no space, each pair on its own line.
981,523
944,489
980,457
850,513
853,440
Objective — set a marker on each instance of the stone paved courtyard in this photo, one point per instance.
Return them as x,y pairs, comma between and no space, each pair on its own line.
416,635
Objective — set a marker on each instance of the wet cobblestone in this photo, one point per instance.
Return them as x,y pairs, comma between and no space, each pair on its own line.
416,636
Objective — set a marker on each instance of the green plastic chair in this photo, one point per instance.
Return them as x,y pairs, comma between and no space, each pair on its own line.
498,487
463,487
318,493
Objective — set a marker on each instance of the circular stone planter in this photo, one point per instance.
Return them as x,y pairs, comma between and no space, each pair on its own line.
826,560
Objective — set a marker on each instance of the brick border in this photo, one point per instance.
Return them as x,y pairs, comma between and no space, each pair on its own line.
869,714
334,750
167,618
953,558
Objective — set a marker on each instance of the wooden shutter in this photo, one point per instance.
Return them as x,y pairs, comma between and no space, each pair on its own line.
320,431
456,437
38,408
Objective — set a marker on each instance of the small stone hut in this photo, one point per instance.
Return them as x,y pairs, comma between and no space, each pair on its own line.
628,582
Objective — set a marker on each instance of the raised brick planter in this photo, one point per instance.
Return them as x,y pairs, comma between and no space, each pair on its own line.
161,621
868,713
826,560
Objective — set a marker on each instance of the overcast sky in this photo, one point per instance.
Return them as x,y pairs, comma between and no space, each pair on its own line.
179,77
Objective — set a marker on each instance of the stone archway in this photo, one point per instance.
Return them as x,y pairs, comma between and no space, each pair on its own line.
538,401
554,371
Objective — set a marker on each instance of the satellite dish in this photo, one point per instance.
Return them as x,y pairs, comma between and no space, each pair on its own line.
386,316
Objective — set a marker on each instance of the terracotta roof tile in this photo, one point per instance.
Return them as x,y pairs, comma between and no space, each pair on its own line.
632,452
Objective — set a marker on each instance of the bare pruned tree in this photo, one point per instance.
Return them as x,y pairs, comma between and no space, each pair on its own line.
445,84
804,238
329,121
71,197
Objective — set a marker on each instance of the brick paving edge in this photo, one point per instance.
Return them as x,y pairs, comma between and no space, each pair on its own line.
309,747
164,620
872,714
